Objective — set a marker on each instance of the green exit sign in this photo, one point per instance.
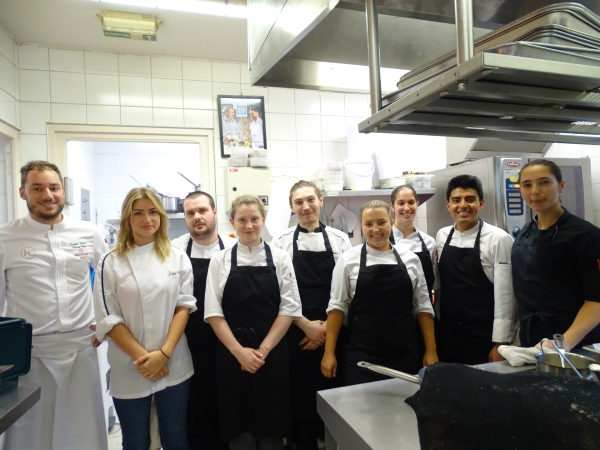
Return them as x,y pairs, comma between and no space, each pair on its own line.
125,35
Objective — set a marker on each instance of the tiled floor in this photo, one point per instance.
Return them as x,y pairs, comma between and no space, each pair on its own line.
114,438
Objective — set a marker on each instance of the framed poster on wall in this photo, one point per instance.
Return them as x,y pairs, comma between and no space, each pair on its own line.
242,122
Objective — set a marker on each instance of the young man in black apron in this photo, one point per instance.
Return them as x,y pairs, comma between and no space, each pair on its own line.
200,244
314,249
477,307
251,300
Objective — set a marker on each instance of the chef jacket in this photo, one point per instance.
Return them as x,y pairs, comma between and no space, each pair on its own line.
312,241
45,273
345,275
203,251
231,127
220,266
413,243
142,291
495,247
256,132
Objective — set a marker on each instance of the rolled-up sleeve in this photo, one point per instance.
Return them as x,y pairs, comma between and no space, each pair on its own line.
505,306
106,307
340,287
288,287
186,288
213,296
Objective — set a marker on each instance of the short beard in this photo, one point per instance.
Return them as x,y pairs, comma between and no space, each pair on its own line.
202,234
47,216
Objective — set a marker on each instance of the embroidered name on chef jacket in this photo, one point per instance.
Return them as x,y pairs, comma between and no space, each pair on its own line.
80,249
173,273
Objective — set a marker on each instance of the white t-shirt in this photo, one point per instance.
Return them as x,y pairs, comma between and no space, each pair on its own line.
495,247
142,291
45,273
220,266
203,251
345,276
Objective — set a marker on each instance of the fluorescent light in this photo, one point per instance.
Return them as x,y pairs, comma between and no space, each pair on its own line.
195,6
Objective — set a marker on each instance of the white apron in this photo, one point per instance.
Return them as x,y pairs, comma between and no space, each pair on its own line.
70,413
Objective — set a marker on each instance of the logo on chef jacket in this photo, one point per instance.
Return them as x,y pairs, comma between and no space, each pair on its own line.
80,249
28,252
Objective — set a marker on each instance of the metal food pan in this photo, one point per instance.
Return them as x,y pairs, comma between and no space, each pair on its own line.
567,16
529,50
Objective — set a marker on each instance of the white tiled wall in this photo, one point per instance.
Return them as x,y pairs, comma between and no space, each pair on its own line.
9,80
581,151
3,190
107,168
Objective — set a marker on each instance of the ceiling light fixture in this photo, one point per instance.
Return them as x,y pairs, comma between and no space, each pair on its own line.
194,6
129,26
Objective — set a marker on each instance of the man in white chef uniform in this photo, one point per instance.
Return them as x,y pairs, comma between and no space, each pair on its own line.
256,128
45,261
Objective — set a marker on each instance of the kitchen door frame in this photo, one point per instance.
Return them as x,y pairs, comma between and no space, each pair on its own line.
13,168
59,134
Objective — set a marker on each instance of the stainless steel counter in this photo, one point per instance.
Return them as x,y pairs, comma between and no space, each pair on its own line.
373,416
16,402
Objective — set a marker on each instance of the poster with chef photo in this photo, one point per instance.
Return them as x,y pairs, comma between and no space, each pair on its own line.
242,123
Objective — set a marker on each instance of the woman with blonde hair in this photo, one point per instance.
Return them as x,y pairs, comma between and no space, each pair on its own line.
142,299
250,302
378,289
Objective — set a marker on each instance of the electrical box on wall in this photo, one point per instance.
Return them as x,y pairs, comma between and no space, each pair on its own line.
248,180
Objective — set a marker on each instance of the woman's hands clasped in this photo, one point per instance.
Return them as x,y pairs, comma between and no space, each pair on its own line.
152,365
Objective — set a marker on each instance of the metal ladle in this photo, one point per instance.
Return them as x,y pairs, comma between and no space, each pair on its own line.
196,186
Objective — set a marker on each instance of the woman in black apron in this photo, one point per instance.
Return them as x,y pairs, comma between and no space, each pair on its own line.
314,249
404,234
380,289
251,299
555,264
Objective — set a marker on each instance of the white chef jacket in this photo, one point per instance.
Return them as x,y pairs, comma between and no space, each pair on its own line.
256,132
45,273
495,247
345,276
312,241
142,291
45,278
413,243
220,266
202,251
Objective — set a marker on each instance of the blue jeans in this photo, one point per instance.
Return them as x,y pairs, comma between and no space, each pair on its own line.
171,407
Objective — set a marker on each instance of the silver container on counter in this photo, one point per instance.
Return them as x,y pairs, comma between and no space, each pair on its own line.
548,362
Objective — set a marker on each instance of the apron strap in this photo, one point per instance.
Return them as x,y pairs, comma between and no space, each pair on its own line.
270,262
188,250
392,238
526,321
234,263
478,239
423,246
325,238
363,256
447,243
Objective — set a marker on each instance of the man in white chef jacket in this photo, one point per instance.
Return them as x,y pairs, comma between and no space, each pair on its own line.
45,261
200,244
256,128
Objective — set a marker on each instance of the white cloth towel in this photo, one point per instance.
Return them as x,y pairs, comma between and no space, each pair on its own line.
517,356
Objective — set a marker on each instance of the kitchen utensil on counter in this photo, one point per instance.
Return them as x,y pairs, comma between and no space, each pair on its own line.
578,365
197,187
171,204
417,379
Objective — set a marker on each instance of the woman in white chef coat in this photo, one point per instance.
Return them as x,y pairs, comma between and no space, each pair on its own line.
378,289
250,302
142,299
555,264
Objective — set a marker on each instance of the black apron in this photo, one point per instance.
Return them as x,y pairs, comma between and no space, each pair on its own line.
464,331
380,321
203,427
257,403
313,274
427,265
426,262
536,263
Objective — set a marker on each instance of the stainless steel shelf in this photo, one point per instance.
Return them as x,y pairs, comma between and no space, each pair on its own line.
423,194
176,216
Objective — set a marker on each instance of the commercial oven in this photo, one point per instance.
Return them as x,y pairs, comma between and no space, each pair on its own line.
504,207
